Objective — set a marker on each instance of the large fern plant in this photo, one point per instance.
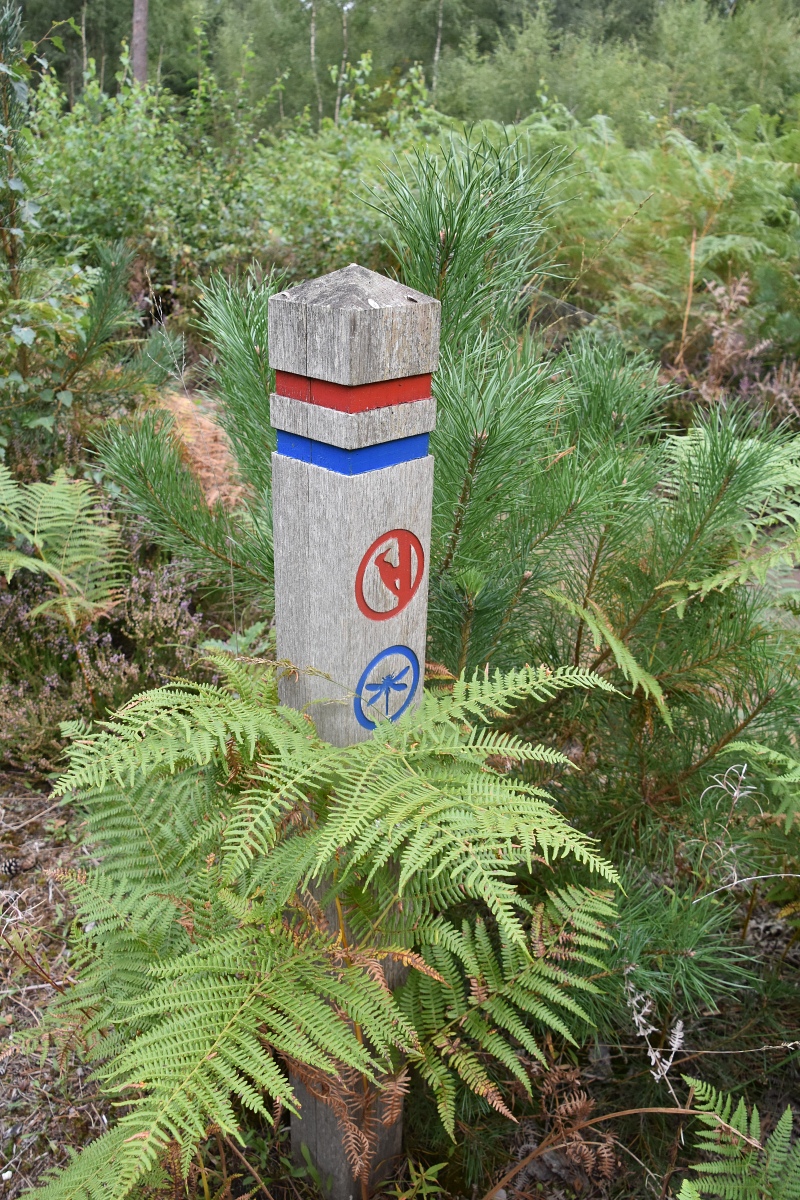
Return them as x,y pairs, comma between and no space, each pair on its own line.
255,883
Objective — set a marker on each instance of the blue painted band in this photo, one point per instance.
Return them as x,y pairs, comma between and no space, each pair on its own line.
352,462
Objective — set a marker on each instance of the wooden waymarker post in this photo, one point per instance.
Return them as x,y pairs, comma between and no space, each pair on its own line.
352,492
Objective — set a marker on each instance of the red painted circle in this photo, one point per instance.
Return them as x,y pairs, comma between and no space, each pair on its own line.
401,581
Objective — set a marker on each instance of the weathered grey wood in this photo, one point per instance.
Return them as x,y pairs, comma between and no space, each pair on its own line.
317,1128
353,327
351,431
351,553
323,525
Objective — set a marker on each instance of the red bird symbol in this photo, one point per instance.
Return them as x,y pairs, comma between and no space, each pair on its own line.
401,578
397,578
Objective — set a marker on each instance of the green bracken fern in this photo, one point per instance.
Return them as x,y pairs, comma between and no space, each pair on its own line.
57,529
269,907
738,1163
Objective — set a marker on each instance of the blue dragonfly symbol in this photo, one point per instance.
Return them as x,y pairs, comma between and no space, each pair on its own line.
387,685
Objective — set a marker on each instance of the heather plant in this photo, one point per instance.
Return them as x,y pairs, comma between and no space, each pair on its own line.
155,631
80,632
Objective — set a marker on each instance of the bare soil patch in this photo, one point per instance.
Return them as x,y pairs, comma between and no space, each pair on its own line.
47,1104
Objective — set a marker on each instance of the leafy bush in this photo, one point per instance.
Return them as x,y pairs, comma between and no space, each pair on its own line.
637,231
202,186
61,324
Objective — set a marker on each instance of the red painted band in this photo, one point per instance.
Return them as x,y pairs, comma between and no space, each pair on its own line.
353,399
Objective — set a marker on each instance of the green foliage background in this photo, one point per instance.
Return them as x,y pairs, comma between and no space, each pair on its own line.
707,147
604,500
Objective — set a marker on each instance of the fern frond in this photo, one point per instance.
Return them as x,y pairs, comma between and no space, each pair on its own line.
175,726
471,827
109,1166
738,1165
71,543
485,697
601,631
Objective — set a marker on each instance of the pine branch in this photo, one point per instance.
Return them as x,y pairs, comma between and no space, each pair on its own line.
146,460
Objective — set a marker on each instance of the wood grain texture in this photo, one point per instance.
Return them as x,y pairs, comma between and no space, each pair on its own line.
318,1128
324,523
351,431
354,327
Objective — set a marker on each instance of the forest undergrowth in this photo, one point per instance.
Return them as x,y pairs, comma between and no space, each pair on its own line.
604,990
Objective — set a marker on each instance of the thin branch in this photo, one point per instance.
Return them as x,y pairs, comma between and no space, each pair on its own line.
466,633
576,658
437,50
550,1142
32,965
478,444
510,607
726,887
679,359
190,537
603,248
251,1169
722,742
35,817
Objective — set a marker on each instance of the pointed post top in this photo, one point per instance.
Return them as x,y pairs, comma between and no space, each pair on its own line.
353,327
354,287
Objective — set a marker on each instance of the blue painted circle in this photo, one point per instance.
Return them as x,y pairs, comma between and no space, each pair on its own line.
384,687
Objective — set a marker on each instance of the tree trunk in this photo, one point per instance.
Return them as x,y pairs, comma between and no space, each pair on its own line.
139,41
437,49
83,43
343,67
313,47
